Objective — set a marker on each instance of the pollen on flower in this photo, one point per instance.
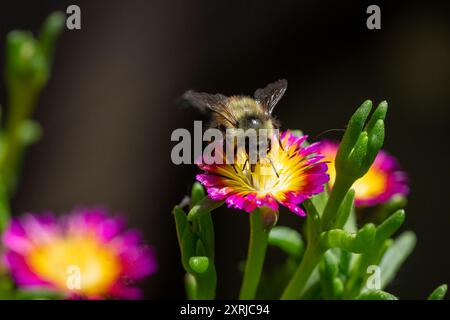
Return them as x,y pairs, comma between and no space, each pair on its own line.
43,251
383,180
290,174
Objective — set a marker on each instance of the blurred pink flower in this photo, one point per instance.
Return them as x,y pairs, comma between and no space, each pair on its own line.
42,251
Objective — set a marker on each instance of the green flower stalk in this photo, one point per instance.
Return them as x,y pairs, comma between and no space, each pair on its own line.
358,149
195,232
28,66
4,208
27,70
259,232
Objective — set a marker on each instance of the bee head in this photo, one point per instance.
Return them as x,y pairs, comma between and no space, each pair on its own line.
248,113
252,122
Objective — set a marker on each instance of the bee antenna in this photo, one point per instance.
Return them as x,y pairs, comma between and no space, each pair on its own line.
328,131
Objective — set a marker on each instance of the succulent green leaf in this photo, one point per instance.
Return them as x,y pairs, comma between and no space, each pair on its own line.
287,239
206,233
51,29
332,286
376,295
320,201
190,284
438,293
353,131
345,260
180,222
188,247
378,114
351,224
390,226
199,264
314,292
29,132
197,193
196,239
4,207
329,264
203,207
383,249
357,243
345,209
313,225
356,158
395,255
26,66
376,140
200,249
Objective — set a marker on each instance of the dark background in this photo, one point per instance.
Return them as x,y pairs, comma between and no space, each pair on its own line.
109,109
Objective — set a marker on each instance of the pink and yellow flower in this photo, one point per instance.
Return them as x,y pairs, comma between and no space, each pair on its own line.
289,175
383,180
42,251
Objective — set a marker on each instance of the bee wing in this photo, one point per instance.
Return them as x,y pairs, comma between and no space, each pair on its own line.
214,102
203,101
269,96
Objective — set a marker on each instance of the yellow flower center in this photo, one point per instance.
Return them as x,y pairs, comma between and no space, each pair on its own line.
80,264
371,184
274,174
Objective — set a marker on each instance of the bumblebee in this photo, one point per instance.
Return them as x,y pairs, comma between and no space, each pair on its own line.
242,112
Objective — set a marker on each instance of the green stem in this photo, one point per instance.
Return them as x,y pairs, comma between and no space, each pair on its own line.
22,100
314,251
255,258
206,284
21,106
190,286
4,207
309,262
337,195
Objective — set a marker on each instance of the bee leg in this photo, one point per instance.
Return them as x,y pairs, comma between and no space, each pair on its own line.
273,167
235,158
252,170
280,144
